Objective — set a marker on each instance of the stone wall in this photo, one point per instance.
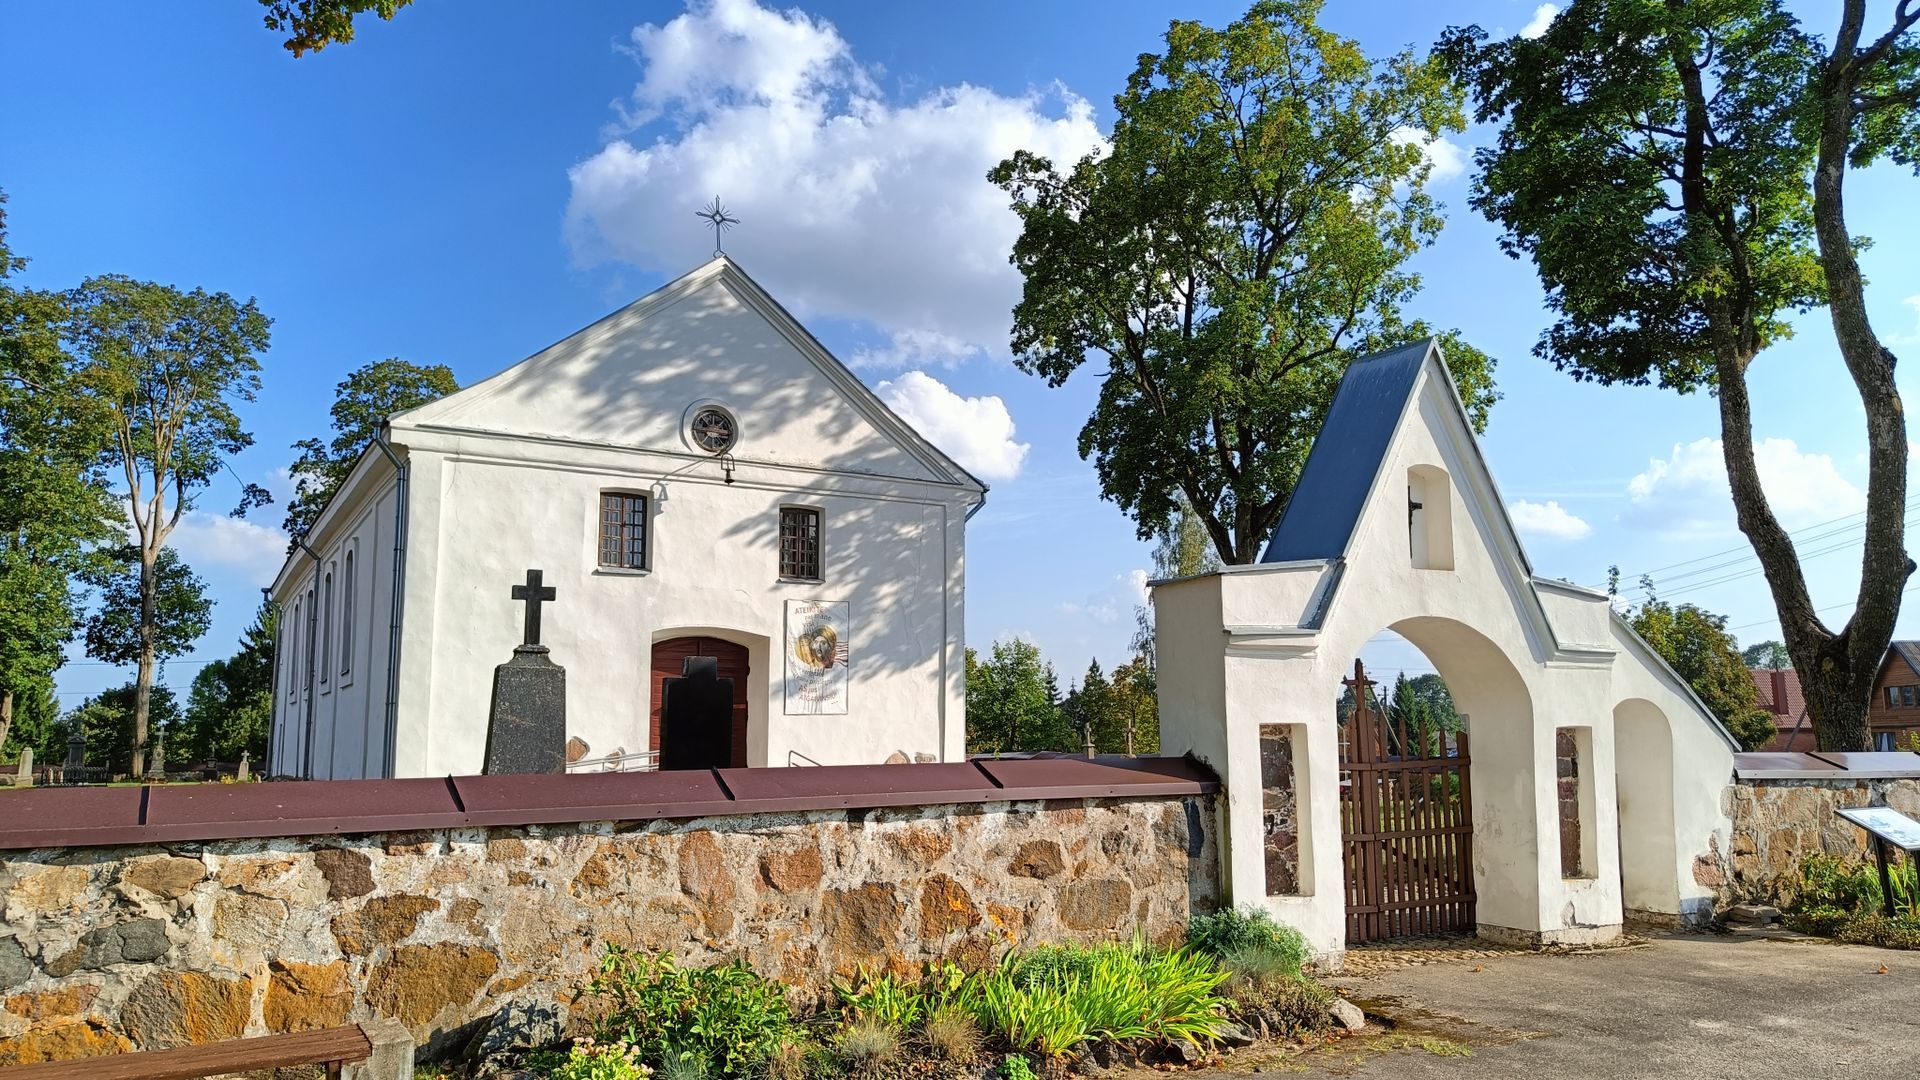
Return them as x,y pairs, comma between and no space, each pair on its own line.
1777,823
106,949
1279,811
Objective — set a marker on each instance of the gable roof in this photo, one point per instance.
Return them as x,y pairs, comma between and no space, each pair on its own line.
589,353
1334,484
1908,651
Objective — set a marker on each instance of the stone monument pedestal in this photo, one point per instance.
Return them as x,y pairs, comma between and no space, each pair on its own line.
527,728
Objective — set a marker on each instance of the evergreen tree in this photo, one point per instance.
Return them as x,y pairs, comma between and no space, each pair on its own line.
230,706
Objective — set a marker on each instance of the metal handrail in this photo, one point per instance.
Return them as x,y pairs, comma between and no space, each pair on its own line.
619,761
795,757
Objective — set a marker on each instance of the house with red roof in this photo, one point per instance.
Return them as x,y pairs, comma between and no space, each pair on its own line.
1893,717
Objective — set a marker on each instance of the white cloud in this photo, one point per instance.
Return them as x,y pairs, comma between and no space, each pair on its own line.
206,540
916,348
1912,337
1542,18
852,206
1447,159
1548,519
1111,605
1686,493
977,432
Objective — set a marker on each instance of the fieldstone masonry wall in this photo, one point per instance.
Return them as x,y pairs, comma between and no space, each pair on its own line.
109,949
1777,823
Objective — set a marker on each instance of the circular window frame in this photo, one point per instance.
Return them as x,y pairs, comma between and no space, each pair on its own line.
695,409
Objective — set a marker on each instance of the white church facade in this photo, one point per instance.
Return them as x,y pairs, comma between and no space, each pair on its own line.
695,475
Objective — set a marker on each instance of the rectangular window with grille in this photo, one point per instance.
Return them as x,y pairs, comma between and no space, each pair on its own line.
800,543
623,530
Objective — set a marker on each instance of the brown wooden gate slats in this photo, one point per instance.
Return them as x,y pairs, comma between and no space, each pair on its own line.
1406,825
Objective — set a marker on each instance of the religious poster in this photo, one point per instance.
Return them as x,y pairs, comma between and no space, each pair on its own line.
818,633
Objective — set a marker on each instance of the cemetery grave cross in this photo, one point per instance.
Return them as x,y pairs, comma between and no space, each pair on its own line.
534,595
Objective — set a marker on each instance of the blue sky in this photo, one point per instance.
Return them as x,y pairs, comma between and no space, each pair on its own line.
473,181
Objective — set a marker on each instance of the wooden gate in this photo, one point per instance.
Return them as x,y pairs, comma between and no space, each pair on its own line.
1405,822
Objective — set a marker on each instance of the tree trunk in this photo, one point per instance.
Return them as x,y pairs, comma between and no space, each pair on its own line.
143,679
6,716
1837,690
1844,671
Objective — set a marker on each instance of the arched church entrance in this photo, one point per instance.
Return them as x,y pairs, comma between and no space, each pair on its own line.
690,736
1410,730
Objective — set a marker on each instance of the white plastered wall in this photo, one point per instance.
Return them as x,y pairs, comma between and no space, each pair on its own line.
1242,648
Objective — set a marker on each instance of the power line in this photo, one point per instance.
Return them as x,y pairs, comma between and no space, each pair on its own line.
1750,557
1830,607
1748,547
1803,557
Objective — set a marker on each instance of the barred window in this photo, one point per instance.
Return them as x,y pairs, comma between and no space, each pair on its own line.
623,530
800,543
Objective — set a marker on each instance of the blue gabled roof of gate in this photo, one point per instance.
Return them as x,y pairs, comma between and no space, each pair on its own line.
1340,469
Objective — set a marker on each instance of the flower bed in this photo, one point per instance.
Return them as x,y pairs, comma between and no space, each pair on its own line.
1039,1011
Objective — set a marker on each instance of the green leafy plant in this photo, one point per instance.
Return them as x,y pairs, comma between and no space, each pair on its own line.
886,998
1875,928
1017,1067
591,1060
1244,931
1050,1000
723,1020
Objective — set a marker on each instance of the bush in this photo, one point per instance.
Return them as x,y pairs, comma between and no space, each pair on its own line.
1875,928
1245,931
1828,881
691,1022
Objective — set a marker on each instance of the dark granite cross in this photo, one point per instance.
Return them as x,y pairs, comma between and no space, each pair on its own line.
534,595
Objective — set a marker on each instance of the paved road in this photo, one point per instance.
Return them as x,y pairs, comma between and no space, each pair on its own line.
1698,1007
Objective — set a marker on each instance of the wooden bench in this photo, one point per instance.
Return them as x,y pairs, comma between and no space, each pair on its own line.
334,1047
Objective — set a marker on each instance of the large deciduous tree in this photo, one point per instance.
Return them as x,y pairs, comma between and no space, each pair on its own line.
1012,701
180,609
54,506
1243,236
1675,171
362,403
164,368
312,25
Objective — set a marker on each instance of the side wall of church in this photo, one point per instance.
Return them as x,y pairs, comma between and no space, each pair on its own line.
336,626
484,511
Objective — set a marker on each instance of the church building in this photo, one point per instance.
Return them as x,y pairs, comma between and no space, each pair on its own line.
695,476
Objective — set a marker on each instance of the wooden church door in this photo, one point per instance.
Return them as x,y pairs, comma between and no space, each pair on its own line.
669,659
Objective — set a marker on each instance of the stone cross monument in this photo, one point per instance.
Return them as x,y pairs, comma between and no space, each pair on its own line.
527,727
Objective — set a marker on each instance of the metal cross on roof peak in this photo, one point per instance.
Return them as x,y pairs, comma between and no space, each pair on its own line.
718,220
